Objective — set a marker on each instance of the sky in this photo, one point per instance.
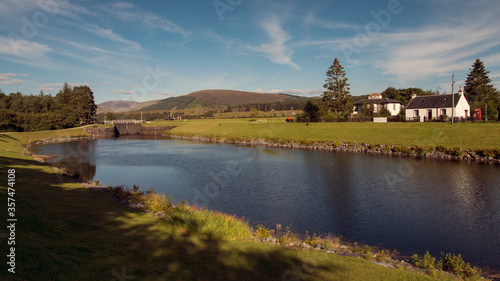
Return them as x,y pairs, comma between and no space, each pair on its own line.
147,50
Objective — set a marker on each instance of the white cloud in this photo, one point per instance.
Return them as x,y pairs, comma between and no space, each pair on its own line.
8,79
434,51
277,51
20,47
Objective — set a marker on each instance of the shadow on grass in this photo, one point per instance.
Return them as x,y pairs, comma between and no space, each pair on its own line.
66,232
6,138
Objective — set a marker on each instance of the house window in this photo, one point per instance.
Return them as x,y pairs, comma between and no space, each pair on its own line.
415,113
443,111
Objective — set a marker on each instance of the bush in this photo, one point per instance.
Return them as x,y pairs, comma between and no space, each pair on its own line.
158,203
440,148
287,237
312,240
420,150
458,266
455,152
402,149
262,232
427,261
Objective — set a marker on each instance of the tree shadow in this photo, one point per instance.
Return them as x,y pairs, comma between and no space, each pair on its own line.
5,138
67,232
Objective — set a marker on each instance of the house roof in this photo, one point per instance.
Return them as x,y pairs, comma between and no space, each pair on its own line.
439,101
376,101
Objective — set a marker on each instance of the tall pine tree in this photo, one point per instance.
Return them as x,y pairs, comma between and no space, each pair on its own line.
479,90
336,98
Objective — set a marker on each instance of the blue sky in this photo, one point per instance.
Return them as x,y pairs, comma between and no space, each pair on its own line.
149,50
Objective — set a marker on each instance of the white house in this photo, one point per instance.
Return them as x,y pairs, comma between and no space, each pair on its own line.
426,108
393,106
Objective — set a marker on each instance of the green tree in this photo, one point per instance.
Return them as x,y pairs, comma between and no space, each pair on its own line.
312,111
479,91
110,116
336,98
84,104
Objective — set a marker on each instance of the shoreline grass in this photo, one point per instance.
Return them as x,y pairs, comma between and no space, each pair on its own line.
465,136
66,231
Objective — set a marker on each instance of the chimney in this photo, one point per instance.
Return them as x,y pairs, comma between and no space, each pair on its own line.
461,92
413,96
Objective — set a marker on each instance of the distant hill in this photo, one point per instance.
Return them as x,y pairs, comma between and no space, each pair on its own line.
138,106
116,104
218,99
123,106
113,105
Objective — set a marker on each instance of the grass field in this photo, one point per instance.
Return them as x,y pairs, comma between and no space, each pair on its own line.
467,135
68,232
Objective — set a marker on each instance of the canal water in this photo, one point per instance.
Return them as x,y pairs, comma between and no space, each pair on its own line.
412,205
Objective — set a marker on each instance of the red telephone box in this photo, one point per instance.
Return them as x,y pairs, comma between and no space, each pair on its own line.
477,114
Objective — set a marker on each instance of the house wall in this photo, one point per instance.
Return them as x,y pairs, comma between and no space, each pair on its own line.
393,108
460,111
462,106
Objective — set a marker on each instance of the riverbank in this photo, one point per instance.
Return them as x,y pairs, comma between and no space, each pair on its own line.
69,231
470,142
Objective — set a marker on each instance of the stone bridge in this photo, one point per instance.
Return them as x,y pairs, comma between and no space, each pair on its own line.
127,127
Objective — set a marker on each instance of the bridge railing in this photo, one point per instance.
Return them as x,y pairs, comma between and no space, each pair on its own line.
128,121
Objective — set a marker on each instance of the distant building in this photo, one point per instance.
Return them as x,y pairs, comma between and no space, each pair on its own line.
393,106
427,108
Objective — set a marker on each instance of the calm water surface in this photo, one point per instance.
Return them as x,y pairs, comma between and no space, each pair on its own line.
412,205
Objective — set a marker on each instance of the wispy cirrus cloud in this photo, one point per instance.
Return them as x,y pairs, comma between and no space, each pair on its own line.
277,50
111,35
435,51
127,11
24,51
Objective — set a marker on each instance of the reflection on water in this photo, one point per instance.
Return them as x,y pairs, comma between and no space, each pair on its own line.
439,206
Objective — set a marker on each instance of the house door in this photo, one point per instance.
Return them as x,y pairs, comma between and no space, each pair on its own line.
429,115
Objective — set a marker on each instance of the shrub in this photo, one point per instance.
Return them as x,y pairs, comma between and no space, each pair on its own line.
440,148
158,203
455,152
383,255
486,153
312,240
420,150
119,192
427,261
262,232
287,237
458,266
401,148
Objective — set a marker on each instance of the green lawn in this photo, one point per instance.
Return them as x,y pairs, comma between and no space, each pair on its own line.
67,232
467,135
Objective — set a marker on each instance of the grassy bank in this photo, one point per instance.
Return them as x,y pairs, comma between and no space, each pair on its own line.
467,135
68,232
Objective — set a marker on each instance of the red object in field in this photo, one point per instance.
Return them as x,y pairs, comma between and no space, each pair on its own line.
477,114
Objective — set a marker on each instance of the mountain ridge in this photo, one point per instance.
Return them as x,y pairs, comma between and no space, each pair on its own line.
210,98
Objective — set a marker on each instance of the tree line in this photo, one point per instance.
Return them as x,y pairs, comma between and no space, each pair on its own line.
70,107
337,102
